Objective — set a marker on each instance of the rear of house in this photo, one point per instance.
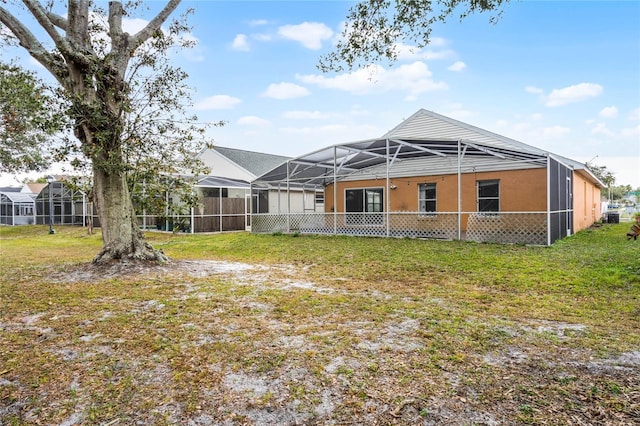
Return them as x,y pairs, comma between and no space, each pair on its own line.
435,177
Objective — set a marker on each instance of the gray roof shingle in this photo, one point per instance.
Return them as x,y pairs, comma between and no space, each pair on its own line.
257,163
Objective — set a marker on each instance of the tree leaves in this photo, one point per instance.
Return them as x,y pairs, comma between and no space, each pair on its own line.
30,117
375,28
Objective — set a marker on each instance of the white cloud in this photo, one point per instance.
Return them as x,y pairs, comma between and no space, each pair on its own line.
217,102
240,43
261,37
438,42
536,116
309,34
635,115
5,32
258,22
252,120
285,91
305,115
555,131
406,52
338,132
412,78
601,129
457,66
522,126
533,89
609,112
575,93
632,131
461,114
133,25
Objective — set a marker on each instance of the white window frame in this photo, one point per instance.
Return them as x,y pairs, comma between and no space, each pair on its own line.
427,213
376,221
479,198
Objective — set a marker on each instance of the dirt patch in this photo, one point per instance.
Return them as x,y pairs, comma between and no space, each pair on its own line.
272,347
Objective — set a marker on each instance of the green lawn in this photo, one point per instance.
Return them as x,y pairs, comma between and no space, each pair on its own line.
285,329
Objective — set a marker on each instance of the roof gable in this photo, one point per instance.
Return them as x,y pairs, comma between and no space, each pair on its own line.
255,163
429,125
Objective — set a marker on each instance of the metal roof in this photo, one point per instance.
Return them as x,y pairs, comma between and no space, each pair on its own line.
424,135
19,197
221,182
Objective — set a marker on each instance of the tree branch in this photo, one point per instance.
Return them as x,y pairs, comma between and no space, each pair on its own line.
58,21
40,14
32,45
154,25
78,31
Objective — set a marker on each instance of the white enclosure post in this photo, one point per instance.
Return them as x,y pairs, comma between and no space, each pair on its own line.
459,189
388,195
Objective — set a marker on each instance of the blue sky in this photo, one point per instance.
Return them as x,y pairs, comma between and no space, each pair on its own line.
563,76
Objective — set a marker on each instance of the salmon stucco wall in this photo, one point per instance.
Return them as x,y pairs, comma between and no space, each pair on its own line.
586,203
520,190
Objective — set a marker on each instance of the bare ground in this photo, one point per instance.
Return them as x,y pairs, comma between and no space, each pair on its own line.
254,357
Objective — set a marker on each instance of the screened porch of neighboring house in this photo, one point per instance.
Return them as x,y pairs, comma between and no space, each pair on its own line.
69,206
17,208
223,205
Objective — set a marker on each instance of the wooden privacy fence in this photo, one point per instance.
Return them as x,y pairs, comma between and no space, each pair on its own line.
220,214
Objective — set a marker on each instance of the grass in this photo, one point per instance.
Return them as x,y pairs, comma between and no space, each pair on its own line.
336,330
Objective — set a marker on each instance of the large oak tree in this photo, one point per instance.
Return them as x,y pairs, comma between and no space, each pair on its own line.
123,98
95,66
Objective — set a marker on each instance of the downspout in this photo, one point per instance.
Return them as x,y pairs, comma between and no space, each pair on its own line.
388,203
304,196
279,197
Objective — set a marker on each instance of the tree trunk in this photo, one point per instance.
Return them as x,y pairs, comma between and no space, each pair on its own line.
96,87
121,237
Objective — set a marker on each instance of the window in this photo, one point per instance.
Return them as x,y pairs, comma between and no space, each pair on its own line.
26,210
319,197
427,197
215,192
488,195
364,200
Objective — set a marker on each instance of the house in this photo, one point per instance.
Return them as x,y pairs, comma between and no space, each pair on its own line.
62,203
33,188
436,177
225,194
16,208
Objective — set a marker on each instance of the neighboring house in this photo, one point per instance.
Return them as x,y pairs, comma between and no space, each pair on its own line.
225,194
16,208
33,188
61,203
436,177
17,205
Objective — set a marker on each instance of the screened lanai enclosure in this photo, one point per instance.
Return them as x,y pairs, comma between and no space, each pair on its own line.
222,205
69,206
17,208
435,177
